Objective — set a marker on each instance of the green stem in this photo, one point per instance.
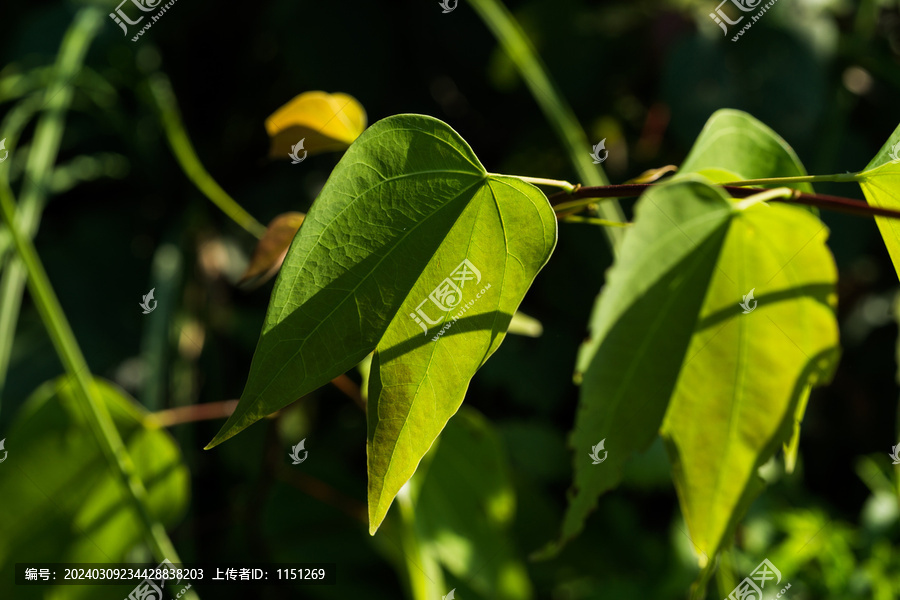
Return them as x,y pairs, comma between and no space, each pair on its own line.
765,196
76,366
541,181
839,177
186,155
41,158
510,35
594,221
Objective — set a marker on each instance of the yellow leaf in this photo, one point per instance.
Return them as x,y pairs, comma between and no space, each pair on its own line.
326,122
271,249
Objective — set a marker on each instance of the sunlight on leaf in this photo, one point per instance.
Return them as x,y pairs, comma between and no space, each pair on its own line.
61,500
880,181
271,249
738,144
745,372
639,332
326,122
411,250
465,506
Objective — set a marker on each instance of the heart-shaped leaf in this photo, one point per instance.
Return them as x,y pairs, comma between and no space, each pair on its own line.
412,249
61,500
749,364
640,329
325,122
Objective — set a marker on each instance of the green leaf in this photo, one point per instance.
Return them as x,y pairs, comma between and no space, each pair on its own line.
61,501
465,506
408,212
419,382
734,145
640,329
880,181
745,373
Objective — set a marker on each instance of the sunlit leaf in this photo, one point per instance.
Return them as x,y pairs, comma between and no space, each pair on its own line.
738,391
61,500
271,249
639,332
408,214
880,182
735,145
326,122
639,338
465,505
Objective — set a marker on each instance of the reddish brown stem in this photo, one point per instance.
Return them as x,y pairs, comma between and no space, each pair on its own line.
836,203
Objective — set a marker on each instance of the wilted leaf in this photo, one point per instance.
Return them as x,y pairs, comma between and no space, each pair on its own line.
61,500
407,214
744,373
271,249
326,122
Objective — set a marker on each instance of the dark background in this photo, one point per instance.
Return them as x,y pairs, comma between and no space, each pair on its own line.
643,75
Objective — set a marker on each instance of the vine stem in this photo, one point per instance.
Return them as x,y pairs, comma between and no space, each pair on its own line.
186,155
76,366
839,177
585,196
542,181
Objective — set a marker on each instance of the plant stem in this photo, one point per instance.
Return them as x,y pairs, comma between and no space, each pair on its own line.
510,35
839,177
194,412
161,92
44,149
541,181
589,195
594,221
772,194
79,373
